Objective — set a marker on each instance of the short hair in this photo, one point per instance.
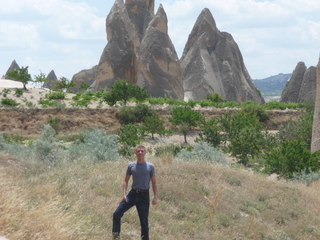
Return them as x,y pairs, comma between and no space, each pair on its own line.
141,146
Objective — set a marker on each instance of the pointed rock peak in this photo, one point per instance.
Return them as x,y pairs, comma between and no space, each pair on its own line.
160,20
52,76
118,6
14,65
149,3
206,16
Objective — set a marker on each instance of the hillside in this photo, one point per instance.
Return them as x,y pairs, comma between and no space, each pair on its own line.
75,200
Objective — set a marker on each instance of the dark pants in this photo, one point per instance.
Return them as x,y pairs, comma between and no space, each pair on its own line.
142,203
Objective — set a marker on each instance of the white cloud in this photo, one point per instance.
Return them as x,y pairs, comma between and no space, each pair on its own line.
51,34
69,35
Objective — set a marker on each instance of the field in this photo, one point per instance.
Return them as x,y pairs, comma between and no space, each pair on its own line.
198,199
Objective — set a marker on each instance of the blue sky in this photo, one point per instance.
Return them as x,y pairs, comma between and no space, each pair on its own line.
69,35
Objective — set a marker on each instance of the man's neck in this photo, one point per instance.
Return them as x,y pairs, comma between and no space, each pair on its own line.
141,161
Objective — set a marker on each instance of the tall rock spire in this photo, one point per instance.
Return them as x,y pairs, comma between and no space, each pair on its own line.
212,63
315,140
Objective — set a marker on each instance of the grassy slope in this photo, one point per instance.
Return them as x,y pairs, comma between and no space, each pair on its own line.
76,201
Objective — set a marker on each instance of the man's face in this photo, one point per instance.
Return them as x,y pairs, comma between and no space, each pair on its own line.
140,152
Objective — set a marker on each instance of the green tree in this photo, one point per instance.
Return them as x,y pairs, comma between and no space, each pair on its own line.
130,136
63,84
21,75
122,90
289,158
216,98
245,133
185,118
211,132
41,79
153,124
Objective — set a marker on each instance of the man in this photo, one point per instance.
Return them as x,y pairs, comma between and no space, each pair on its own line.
142,173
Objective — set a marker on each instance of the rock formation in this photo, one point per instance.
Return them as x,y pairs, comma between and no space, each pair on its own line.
301,86
315,140
212,63
53,78
14,65
140,50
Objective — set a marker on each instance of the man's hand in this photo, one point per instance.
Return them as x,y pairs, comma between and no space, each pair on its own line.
124,199
154,201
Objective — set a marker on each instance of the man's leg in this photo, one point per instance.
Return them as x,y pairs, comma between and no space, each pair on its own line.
117,215
142,205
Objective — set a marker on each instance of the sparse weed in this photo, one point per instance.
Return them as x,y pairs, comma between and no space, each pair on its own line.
203,152
95,144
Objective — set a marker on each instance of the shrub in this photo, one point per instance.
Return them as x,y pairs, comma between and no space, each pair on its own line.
122,90
19,92
2,142
153,124
203,152
170,149
211,132
215,98
289,158
9,102
130,135
45,147
96,145
127,115
185,117
141,111
254,108
56,95
306,177
244,131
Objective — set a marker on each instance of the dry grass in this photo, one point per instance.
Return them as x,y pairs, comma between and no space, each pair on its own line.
76,201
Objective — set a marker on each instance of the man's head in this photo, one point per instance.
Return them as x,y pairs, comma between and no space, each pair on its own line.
141,152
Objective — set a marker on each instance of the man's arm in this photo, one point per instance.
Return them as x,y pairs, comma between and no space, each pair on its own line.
155,190
125,188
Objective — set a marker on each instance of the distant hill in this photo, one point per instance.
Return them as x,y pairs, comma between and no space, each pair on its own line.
272,86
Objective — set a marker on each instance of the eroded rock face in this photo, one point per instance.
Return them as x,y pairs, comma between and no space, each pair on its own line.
53,78
159,67
137,45
302,85
212,63
140,50
14,65
315,140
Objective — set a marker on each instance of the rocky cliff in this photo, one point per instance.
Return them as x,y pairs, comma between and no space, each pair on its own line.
14,65
302,85
140,50
53,78
212,63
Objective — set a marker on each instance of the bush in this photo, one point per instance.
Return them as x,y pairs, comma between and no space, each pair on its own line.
141,111
306,177
45,148
9,102
19,92
153,124
254,108
170,149
56,95
126,115
203,152
130,135
245,133
289,158
211,132
96,145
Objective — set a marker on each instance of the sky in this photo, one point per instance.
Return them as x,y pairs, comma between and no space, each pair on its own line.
68,36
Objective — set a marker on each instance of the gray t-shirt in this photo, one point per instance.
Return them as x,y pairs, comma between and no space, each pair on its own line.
141,174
